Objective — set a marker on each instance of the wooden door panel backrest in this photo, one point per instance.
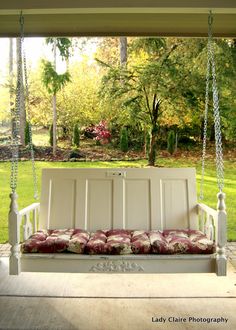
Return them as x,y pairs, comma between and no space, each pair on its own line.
150,198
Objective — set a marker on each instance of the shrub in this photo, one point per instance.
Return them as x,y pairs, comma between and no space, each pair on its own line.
76,135
75,154
89,132
51,135
124,140
102,133
147,143
171,142
27,133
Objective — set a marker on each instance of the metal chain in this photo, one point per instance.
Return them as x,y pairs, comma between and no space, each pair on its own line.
205,125
218,136
30,127
16,116
211,68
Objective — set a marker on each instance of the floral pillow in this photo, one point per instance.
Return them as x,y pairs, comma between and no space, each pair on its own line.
96,244
140,243
78,241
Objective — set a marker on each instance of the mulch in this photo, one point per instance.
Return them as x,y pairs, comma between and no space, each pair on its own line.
102,153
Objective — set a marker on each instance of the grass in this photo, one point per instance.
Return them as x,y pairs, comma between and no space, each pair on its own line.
40,137
25,185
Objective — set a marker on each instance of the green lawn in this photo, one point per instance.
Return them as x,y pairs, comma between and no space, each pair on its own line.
25,185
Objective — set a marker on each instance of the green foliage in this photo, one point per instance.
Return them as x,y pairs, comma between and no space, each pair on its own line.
51,135
27,133
174,69
53,81
76,135
64,46
147,143
124,143
171,142
74,154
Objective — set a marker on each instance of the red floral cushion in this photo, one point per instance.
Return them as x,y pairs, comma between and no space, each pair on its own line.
118,241
140,243
78,241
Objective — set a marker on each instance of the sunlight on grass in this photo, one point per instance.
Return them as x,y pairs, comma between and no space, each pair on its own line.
25,185
40,137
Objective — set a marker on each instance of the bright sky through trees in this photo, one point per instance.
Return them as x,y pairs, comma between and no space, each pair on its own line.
36,49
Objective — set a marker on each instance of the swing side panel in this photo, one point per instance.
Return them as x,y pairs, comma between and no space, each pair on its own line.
91,199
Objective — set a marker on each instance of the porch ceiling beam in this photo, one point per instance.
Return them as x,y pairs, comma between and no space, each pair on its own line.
118,17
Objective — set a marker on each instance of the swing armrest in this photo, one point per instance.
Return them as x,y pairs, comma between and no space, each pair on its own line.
28,209
29,216
207,209
208,221
213,223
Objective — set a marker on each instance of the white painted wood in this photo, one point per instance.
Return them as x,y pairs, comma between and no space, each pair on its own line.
14,236
208,210
130,198
27,227
14,222
216,226
29,208
100,201
118,264
137,204
150,198
30,217
221,240
62,203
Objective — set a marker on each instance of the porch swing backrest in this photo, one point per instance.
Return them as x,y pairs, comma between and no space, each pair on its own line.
92,199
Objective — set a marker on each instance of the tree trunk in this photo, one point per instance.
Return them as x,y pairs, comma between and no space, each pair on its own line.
212,132
154,133
176,141
153,146
22,113
54,104
54,107
123,51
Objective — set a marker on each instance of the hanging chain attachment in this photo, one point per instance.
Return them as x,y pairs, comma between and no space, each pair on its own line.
211,70
19,104
15,113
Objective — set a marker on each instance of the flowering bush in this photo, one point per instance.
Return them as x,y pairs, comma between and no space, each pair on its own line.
101,132
89,132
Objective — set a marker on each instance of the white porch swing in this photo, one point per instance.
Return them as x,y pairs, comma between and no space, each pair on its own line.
146,199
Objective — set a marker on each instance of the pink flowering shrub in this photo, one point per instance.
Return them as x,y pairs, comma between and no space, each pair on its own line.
102,133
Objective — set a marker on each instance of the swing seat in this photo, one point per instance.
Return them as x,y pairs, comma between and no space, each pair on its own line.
118,242
129,220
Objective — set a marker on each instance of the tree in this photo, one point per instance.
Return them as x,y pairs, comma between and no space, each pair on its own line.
142,88
76,135
124,146
27,133
53,81
51,135
123,51
171,142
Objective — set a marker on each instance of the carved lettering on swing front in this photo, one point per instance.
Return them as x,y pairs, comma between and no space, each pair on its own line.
117,266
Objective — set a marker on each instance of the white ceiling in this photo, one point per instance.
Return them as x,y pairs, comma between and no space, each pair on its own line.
113,17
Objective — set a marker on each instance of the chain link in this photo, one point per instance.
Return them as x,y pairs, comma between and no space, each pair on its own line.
205,125
30,126
19,104
15,113
211,68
